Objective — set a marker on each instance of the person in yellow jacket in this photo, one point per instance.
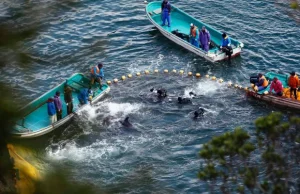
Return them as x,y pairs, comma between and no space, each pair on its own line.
262,83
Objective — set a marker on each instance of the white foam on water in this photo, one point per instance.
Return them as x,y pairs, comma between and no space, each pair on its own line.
206,88
121,108
101,149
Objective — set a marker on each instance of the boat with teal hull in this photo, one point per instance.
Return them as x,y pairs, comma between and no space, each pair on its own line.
283,101
35,120
181,21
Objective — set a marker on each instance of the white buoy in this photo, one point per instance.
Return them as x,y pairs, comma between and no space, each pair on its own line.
166,71
220,80
213,78
116,80
123,77
108,82
174,71
138,74
181,72
146,71
156,71
198,75
190,73
129,76
207,76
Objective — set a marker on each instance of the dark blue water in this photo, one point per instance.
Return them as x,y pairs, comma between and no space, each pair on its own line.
160,154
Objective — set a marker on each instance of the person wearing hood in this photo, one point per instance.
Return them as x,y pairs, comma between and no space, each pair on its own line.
51,110
194,35
58,105
166,11
277,86
204,39
225,45
97,75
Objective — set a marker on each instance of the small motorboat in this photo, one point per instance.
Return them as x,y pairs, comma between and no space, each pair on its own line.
179,32
35,120
284,101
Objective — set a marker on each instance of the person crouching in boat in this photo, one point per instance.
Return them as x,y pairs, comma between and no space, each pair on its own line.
194,35
294,84
166,11
58,105
261,84
204,39
85,95
226,45
97,75
51,110
277,86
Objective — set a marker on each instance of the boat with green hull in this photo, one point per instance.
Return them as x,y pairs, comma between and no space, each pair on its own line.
35,120
180,22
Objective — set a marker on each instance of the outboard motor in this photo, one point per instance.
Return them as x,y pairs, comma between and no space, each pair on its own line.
254,79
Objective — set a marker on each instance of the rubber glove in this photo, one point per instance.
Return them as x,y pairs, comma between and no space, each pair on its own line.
220,47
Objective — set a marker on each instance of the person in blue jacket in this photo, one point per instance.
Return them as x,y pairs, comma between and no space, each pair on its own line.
225,45
84,95
166,11
97,74
51,110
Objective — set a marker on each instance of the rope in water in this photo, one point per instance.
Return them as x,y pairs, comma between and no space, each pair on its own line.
180,72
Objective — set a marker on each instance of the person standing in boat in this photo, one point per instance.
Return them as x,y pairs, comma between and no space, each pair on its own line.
293,83
261,84
58,105
68,99
277,86
194,35
225,45
51,110
97,74
166,11
204,39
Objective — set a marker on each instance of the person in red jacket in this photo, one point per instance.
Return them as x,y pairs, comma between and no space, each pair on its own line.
293,83
277,86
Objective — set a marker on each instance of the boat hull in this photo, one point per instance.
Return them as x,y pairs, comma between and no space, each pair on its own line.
276,100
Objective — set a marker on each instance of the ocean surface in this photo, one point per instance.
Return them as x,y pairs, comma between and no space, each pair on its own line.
160,153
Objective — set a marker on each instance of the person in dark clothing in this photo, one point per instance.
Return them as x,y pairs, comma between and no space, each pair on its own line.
58,105
68,99
166,11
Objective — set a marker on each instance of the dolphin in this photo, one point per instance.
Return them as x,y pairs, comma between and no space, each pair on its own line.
198,113
126,123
